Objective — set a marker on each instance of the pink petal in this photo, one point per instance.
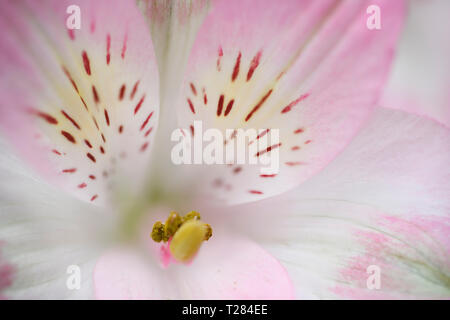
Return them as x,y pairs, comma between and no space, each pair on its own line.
399,162
225,268
122,274
234,268
79,104
309,68
384,201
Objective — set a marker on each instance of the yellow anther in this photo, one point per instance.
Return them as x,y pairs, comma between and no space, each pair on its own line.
187,234
191,215
188,239
173,222
208,233
158,232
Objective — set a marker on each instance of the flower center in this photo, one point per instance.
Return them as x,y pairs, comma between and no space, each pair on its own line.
184,234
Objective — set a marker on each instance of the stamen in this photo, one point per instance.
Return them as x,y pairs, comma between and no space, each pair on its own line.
184,234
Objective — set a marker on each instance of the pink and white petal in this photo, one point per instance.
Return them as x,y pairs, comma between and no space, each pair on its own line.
311,69
125,274
173,26
6,274
226,267
80,105
420,75
397,164
43,231
327,247
384,201
229,266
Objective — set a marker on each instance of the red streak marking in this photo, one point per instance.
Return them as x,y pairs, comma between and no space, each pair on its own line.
294,148
237,170
255,192
191,106
121,92
96,123
217,182
229,106
220,105
294,103
268,149
146,121
192,130
205,99
299,131
124,47
148,132
45,116
70,79
219,58
82,185
56,151
236,67
84,103
68,136
71,170
108,49
107,117
267,175
94,197
138,106
294,163
133,92
92,177
253,65
258,105
103,138
262,134
90,156
87,65
121,129
94,92
144,147
102,150
232,136
194,91
71,119
88,143
308,141
71,34
92,27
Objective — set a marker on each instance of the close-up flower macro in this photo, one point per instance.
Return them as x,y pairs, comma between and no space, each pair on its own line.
224,149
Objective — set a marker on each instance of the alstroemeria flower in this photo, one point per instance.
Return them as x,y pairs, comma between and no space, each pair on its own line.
86,171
